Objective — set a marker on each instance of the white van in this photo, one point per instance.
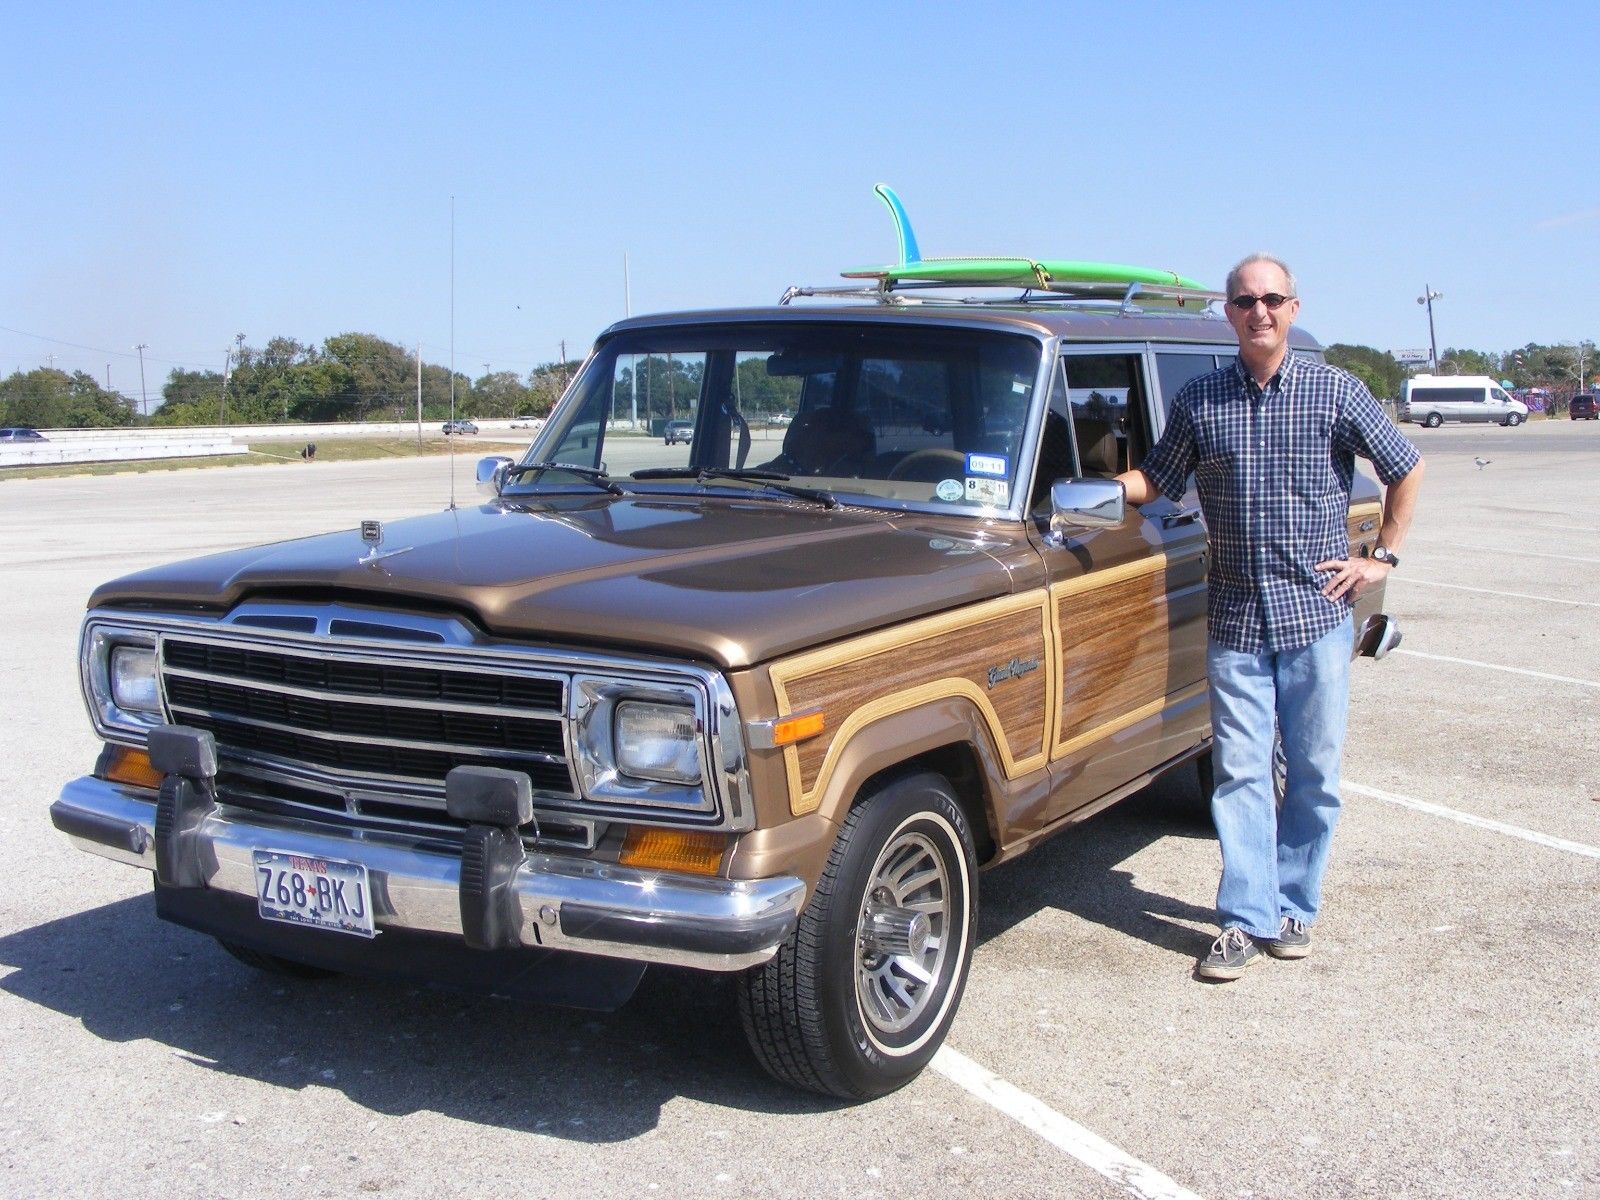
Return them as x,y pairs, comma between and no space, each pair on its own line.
1432,400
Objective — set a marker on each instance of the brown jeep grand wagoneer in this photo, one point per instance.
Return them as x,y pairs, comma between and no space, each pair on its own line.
765,701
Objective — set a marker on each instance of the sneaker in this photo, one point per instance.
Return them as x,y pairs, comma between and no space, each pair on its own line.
1230,955
1293,940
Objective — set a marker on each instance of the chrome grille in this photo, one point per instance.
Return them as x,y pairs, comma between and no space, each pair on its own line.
363,735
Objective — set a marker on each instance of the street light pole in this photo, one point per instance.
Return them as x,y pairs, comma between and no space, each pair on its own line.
1428,297
144,400
229,357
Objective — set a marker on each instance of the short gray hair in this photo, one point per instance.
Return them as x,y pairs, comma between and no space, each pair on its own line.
1238,267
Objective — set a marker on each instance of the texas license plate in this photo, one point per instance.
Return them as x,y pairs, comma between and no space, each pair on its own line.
324,893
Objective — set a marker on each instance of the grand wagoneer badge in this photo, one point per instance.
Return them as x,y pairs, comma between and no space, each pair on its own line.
1015,669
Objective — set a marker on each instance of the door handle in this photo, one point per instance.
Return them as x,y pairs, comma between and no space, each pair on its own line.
1184,516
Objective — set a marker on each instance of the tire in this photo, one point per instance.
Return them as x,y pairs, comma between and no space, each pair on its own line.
1433,420
836,1010
1513,420
272,964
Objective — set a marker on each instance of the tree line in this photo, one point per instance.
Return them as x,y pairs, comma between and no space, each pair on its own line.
362,377
349,377
1558,369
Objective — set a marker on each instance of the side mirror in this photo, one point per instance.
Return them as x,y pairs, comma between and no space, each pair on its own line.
491,474
1077,504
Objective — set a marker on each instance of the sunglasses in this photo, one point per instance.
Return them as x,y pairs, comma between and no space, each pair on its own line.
1272,300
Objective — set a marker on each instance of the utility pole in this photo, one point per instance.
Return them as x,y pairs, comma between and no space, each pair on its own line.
419,395
144,400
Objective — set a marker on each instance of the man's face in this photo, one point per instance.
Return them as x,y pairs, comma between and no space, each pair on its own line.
1262,331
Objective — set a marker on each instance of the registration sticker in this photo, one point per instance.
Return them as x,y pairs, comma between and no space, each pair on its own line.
325,893
992,465
991,493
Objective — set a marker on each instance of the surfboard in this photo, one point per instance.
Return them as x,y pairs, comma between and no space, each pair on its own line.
1095,279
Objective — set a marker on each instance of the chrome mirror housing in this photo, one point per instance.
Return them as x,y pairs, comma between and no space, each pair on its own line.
1078,504
492,474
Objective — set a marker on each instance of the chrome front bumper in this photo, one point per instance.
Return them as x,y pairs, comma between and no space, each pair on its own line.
564,903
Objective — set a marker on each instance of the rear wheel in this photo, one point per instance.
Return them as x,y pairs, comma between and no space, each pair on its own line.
860,997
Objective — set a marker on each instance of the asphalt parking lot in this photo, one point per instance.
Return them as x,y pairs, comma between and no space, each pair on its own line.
1440,1042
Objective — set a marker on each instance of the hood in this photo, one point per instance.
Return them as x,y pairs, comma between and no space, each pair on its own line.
728,581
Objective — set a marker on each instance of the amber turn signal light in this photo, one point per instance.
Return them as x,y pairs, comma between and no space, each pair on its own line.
122,764
673,850
797,728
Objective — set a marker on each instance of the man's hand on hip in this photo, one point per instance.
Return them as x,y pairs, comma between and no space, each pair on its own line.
1352,575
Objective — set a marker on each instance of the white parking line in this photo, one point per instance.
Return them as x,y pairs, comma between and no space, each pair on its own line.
1439,810
1472,662
1505,550
1084,1145
1461,587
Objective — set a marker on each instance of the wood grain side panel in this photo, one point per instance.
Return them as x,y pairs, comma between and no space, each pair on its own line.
953,655
1363,523
966,654
1115,653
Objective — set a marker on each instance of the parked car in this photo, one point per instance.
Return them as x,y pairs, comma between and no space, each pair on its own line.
767,712
677,431
461,426
1584,407
21,433
1431,400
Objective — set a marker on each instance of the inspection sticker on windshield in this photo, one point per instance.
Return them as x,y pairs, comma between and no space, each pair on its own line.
949,489
993,465
325,893
991,493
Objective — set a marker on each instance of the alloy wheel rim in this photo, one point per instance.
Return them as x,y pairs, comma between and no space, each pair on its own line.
902,933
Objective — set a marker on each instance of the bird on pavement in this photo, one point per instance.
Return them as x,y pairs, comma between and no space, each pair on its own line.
1482,462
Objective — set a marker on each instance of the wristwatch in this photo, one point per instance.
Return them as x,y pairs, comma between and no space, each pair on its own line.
1385,555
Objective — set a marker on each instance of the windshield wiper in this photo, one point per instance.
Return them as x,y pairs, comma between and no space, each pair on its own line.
774,481
588,474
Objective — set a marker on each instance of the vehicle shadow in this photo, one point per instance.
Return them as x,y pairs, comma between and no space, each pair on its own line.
584,1077
1079,871
581,1076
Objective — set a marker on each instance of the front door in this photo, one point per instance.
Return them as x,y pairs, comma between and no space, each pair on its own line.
1127,604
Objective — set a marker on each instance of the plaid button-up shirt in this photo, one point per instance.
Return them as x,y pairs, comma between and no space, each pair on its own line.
1273,466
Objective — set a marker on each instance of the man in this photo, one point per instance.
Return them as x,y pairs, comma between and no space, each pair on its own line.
1271,442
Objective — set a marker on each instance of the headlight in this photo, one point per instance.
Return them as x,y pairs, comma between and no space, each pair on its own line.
121,684
643,743
657,741
134,687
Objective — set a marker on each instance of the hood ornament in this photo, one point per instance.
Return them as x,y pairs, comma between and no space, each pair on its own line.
372,535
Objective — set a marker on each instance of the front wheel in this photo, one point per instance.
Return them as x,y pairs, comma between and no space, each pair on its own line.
1434,420
1513,419
860,997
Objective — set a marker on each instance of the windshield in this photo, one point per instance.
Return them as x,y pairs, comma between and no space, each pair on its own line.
911,416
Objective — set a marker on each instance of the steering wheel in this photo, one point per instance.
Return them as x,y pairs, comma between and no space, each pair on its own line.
929,466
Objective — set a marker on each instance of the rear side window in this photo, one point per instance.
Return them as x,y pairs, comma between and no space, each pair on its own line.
1175,370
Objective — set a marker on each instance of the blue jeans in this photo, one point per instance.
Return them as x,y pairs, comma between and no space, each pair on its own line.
1272,858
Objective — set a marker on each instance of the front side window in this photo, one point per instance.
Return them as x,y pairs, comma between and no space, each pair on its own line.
904,415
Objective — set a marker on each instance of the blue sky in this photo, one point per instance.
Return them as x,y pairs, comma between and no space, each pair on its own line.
178,173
